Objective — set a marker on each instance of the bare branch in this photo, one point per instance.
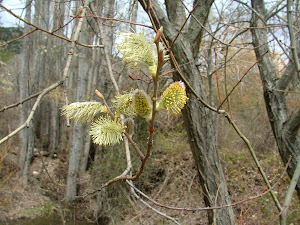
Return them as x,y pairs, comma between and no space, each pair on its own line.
46,31
20,102
263,19
18,38
30,117
114,19
181,28
240,80
70,57
108,61
247,142
289,194
200,209
133,188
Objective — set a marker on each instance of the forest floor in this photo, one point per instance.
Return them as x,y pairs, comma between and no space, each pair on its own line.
170,178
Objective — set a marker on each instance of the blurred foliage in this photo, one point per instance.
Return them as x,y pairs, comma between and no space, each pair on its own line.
8,51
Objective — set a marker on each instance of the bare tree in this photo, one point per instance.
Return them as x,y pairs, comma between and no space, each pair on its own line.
285,125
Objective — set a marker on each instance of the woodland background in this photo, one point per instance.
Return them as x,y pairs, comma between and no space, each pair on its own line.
220,48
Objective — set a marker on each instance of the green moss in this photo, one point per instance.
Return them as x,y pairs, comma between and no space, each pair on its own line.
39,211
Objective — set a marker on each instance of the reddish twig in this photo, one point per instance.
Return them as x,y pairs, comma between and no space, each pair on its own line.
242,79
66,24
57,16
15,39
140,79
179,32
113,19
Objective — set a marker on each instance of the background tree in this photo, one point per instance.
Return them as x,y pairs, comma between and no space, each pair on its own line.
285,124
25,84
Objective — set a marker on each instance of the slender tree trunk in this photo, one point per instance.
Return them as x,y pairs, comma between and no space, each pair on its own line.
56,50
285,127
27,140
86,150
78,130
134,12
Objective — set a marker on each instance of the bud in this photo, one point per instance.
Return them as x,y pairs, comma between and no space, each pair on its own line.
99,94
129,123
152,70
161,56
158,34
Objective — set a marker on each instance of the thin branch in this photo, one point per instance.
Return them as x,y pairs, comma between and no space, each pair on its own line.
70,57
292,92
275,13
274,7
21,102
30,117
17,38
108,61
289,194
242,78
210,33
150,79
199,209
181,28
114,19
46,31
265,23
133,188
247,142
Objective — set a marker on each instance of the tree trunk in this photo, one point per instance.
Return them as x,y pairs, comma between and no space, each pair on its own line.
86,150
285,127
135,7
78,130
198,119
27,140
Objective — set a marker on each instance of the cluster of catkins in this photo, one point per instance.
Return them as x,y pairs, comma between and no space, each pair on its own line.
107,129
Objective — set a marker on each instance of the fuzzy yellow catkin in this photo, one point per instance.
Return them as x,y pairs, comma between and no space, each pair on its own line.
174,98
105,131
138,53
83,112
142,103
123,104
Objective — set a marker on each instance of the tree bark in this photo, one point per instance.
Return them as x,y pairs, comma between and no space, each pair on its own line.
285,127
27,140
78,129
199,120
